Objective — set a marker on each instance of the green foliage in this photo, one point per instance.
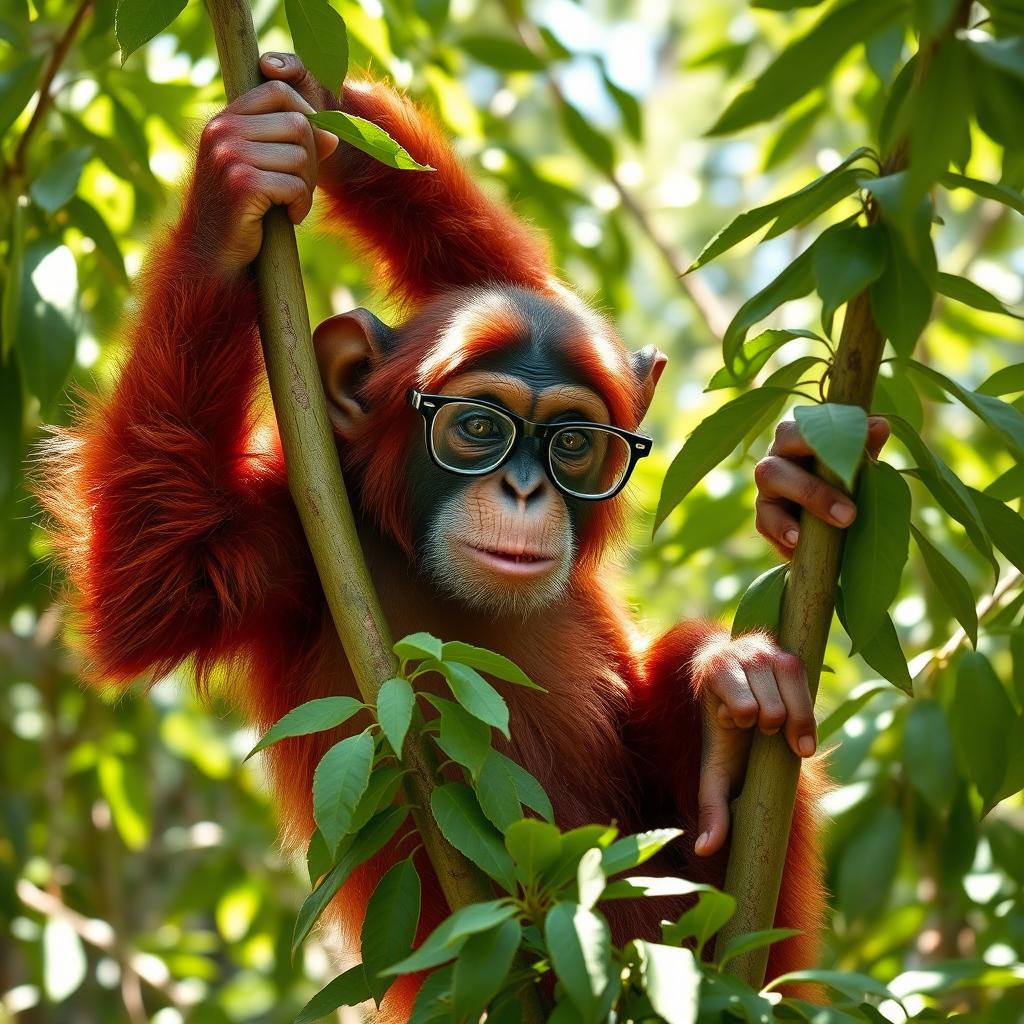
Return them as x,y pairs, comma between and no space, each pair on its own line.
129,811
320,38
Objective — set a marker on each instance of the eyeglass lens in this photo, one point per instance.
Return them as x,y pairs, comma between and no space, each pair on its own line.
467,437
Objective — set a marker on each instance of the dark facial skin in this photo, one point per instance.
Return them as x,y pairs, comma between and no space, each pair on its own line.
540,363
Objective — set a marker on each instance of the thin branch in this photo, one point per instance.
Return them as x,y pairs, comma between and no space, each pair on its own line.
45,95
100,935
708,305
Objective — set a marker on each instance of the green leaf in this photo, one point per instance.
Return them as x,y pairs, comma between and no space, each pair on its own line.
848,983
711,441
16,89
1005,381
883,652
575,843
940,110
749,941
833,722
745,224
12,314
370,139
320,38
463,738
47,318
946,487
496,792
837,435
528,789
533,845
671,981
869,862
59,182
125,790
88,220
493,664
954,590
580,949
500,52
481,968
987,190
11,413
631,851
394,711
902,298
314,716
318,858
811,206
629,108
370,839
339,782
640,886
598,148
385,781
389,926
445,941
752,357
434,998
1008,486
463,824
971,294
875,551
1002,54
792,283
702,921
419,646
805,63
981,719
1003,525
348,989
138,21
928,757
474,693
846,262
590,878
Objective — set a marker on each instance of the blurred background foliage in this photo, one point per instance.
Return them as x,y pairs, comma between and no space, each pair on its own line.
140,877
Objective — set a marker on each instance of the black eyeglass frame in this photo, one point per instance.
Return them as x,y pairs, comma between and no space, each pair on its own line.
429,405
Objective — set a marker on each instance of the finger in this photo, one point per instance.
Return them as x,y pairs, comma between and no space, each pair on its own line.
268,97
789,443
878,434
287,190
290,126
277,156
779,478
713,809
286,67
771,712
775,523
728,684
801,729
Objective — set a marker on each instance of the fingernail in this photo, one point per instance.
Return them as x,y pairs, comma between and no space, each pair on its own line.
805,745
792,535
842,513
702,841
275,62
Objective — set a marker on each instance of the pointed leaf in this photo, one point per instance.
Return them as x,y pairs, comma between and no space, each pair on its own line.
580,949
846,262
474,693
463,738
837,434
418,646
493,664
533,845
339,782
954,590
901,298
138,21
875,550
348,989
314,716
702,921
970,294
320,38
711,441
463,824
389,926
496,792
749,941
481,968
394,711
631,851
752,357
761,603
671,981
928,757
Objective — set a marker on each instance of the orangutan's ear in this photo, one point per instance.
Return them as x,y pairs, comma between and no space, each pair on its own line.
348,348
648,365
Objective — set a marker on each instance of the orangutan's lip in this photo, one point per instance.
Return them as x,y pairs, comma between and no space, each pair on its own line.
512,563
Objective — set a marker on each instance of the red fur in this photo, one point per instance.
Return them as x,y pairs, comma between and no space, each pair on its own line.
181,542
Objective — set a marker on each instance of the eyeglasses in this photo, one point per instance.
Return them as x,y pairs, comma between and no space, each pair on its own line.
471,437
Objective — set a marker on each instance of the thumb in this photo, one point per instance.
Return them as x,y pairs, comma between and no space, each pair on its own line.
713,808
286,67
